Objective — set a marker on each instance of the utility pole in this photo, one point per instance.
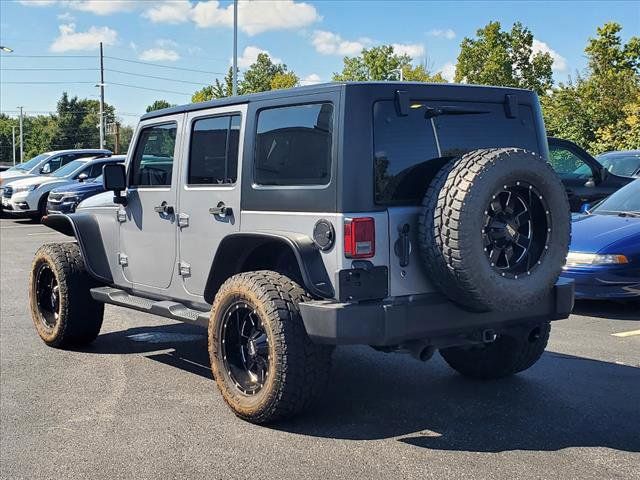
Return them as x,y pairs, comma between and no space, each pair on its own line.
101,98
21,138
234,87
117,148
13,150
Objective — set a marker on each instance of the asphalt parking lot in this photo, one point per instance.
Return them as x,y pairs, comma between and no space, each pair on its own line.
140,403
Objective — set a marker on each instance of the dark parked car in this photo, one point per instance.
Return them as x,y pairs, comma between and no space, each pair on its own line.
65,199
585,179
604,257
625,163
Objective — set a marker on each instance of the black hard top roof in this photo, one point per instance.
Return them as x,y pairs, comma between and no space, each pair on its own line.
311,89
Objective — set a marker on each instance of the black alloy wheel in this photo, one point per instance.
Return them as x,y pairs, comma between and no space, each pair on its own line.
516,229
47,296
245,348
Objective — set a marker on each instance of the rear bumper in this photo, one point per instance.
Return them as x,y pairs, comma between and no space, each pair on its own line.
429,317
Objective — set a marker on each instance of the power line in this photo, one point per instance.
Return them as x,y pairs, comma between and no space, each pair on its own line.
157,78
48,69
147,88
48,83
163,66
48,56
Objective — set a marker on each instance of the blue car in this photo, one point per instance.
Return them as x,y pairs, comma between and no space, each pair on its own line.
604,257
65,199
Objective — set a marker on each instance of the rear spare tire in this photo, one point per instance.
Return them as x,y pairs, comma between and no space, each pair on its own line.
494,230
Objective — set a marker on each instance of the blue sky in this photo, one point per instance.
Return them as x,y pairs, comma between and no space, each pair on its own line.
311,37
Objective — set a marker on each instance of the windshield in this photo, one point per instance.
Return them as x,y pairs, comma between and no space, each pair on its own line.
68,168
623,164
627,200
28,165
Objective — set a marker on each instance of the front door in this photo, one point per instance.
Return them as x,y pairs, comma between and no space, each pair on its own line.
147,250
209,203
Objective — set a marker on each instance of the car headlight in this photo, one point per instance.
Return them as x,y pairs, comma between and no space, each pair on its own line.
71,199
579,259
25,188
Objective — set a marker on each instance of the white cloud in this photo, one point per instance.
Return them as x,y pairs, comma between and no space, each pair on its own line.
66,17
37,3
448,71
99,7
253,17
442,33
133,46
559,62
250,55
414,50
166,43
178,11
69,39
329,43
102,7
311,79
159,55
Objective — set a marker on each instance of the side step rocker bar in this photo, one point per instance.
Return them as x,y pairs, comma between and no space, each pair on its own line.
163,308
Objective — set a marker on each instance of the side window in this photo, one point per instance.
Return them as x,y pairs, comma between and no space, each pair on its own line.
52,165
96,170
567,164
213,153
152,161
293,145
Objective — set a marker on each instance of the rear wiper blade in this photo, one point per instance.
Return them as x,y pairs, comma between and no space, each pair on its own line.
432,112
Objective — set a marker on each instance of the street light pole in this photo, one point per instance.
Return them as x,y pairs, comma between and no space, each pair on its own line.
234,83
13,150
21,138
101,98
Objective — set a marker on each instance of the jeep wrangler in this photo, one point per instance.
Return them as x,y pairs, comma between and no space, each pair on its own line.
410,217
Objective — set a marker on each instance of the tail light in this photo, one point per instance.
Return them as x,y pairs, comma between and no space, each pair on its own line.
359,237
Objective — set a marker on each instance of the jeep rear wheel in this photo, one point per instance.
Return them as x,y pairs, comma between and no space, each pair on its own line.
62,309
510,353
495,228
265,365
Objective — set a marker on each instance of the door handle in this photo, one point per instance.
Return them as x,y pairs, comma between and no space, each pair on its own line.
164,208
221,210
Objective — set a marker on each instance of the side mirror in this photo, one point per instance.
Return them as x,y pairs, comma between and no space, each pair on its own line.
82,177
114,178
46,169
590,183
585,207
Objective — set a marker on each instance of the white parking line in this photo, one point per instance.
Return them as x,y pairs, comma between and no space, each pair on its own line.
52,232
630,333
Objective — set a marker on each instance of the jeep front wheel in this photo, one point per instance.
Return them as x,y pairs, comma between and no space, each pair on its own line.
265,365
63,311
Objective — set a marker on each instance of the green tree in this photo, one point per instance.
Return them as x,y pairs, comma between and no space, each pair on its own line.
497,57
260,74
599,110
159,105
284,80
383,63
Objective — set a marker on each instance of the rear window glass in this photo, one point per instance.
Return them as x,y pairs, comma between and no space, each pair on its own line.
406,154
293,145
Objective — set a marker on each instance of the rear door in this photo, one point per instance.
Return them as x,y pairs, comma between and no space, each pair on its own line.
209,203
148,229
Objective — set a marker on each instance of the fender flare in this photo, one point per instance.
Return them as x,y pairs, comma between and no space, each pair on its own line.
236,248
84,228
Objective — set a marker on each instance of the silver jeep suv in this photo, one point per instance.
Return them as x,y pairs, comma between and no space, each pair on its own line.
406,216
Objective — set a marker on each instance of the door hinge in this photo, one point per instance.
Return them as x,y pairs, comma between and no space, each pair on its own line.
123,259
121,215
183,220
184,268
